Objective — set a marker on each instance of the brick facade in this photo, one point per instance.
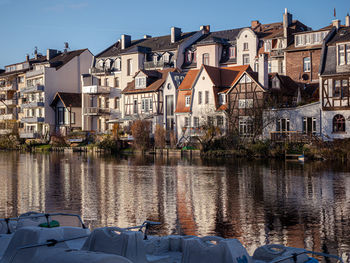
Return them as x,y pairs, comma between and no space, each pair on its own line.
295,66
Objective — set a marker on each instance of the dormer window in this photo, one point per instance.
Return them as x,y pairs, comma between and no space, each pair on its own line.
188,56
100,64
267,46
108,63
222,99
140,82
155,59
165,57
232,52
344,54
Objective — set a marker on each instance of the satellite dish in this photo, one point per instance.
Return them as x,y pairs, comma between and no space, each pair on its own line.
305,76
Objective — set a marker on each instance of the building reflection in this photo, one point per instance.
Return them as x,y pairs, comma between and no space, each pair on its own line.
257,202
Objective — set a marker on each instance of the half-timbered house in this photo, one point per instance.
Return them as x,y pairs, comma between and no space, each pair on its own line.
143,97
222,97
334,84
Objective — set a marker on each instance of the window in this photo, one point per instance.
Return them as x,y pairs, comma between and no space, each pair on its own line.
338,123
341,55
187,122
129,67
245,127
267,46
116,82
116,103
206,97
140,82
210,121
72,117
21,79
118,64
195,122
347,46
256,66
246,59
307,64
146,105
135,106
245,103
220,121
169,100
222,99
245,46
187,101
195,57
188,56
232,52
206,59
106,82
283,125
309,125
199,97
341,88
269,67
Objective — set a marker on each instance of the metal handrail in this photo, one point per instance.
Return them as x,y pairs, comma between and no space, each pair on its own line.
147,224
47,215
49,243
296,254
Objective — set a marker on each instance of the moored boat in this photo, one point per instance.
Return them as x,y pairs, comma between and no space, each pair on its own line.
34,237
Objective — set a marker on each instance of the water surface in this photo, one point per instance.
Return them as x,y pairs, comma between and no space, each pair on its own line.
257,202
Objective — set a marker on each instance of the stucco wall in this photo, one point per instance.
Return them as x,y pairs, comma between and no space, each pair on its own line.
247,36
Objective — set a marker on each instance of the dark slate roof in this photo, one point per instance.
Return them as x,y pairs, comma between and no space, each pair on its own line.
68,99
2,71
274,30
161,43
343,35
63,58
221,37
31,62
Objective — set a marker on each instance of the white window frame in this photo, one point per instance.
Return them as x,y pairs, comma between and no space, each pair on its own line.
187,101
245,57
146,105
307,64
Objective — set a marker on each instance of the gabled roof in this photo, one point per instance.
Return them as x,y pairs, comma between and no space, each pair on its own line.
156,77
68,99
343,35
275,30
63,58
161,43
222,78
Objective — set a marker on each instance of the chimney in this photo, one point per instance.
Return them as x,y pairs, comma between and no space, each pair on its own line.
347,20
254,24
205,29
175,34
287,21
126,41
263,70
146,36
336,23
27,57
51,53
36,53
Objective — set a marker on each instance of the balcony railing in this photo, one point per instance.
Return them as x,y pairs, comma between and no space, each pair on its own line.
33,89
33,104
29,135
96,111
8,86
34,73
32,119
291,136
5,131
158,64
9,116
277,53
7,103
95,89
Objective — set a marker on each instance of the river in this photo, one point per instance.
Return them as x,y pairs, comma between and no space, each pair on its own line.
301,205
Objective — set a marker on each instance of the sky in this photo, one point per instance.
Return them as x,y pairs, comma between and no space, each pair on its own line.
26,24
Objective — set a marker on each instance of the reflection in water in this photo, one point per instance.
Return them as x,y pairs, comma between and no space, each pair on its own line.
257,202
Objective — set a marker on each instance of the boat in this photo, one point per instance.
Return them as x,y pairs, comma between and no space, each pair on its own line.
35,237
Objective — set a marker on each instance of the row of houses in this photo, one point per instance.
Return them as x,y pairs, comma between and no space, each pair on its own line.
283,77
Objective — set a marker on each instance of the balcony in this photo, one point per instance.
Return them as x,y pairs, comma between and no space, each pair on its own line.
5,131
33,104
7,103
95,89
29,135
8,86
95,111
33,89
153,65
291,136
277,53
32,119
9,116
34,73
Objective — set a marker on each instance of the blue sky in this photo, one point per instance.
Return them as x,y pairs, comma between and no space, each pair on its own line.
26,24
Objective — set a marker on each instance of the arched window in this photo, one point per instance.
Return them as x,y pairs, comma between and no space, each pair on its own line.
338,123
